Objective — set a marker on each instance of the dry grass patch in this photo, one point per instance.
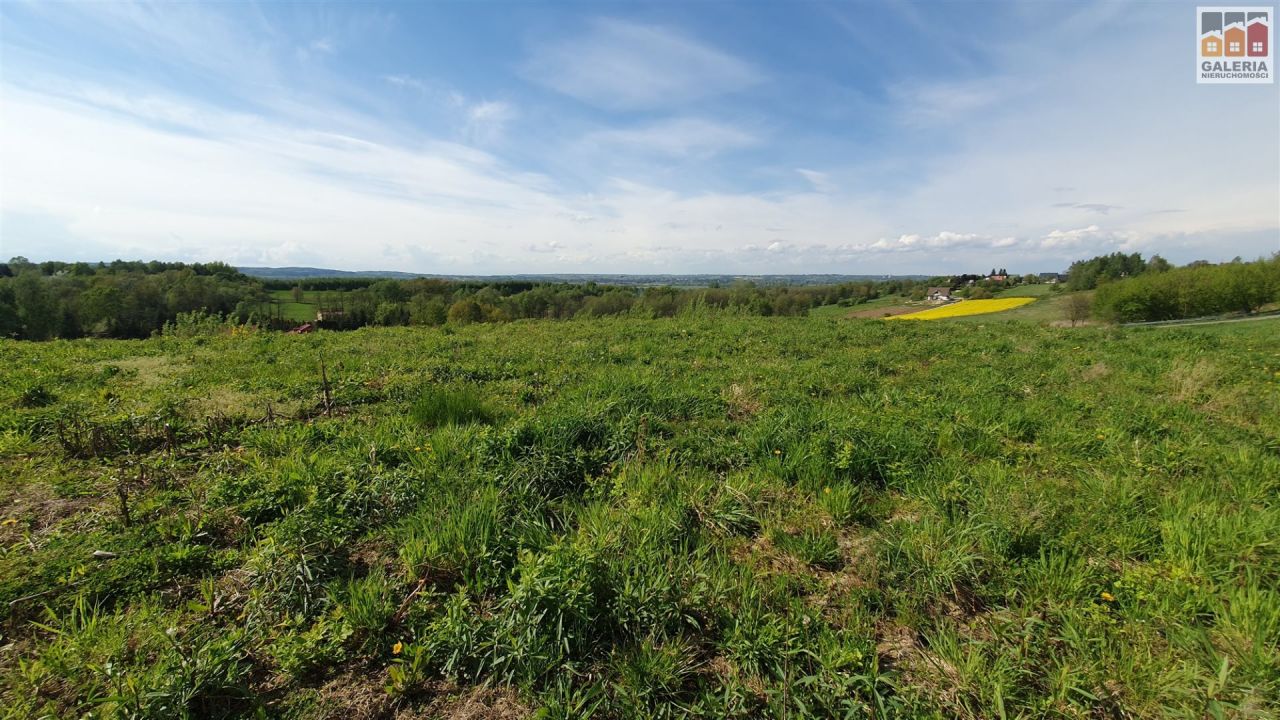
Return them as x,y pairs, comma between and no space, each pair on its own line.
742,402
1096,371
1192,382
147,371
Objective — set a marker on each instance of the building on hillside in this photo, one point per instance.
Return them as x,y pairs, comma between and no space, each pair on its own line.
1052,278
938,294
998,277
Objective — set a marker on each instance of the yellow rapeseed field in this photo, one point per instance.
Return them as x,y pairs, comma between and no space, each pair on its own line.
965,307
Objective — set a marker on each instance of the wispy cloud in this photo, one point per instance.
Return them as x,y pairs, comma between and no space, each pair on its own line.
621,65
487,120
676,137
939,241
1091,236
244,185
819,180
1099,208
935,103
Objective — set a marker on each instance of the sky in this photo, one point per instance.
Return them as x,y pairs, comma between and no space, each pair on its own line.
597,137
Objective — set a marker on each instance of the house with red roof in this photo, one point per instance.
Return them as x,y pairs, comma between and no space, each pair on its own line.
1257,35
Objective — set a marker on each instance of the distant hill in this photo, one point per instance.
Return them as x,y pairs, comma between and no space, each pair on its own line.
697,280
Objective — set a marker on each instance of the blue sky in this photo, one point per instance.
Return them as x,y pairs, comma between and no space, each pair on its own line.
752,137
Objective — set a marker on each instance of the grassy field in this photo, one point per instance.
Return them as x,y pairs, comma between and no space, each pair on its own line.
1049,307
875,308
1035,291
304,311
710,517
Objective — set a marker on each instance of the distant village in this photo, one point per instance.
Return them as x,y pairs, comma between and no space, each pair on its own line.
978,286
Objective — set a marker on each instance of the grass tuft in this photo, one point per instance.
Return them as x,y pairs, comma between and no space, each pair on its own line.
443,406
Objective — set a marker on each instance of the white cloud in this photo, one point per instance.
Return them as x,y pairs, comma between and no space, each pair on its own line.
549,246
621,65
487,120
405,81
942,240
1090,237
677,137
934,103
821,181
249,190
1099,208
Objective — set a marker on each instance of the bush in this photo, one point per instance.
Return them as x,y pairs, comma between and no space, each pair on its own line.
1192,291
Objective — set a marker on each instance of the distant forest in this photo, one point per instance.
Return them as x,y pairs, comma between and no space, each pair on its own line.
133,299
128,299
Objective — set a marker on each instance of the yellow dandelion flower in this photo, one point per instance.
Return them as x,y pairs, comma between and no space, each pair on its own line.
777,452
395,649
1108,596
826,490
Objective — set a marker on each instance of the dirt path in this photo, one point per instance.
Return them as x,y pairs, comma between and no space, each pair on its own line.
1193,323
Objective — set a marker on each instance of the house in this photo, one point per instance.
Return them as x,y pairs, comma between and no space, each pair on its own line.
1052,278
1233,35
1257,35
938,294
1211,34
998,277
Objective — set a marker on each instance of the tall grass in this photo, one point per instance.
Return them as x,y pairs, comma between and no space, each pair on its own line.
703,516
444,406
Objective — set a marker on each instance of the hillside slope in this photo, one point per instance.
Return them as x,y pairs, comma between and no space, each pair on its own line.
716,517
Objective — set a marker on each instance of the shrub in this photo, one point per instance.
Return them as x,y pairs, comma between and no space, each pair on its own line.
1192,291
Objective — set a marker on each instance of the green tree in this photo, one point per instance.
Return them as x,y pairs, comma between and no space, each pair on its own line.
427,309
37,309
465,312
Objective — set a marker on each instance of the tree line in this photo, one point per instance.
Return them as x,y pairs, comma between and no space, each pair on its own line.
1196,290
121,299
1088,274
131,299
437,302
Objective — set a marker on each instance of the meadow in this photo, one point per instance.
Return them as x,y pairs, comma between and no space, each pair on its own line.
709,515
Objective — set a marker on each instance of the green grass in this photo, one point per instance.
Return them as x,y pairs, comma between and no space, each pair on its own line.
304,311
710,516
1038,290
443,406
840,311
1049,307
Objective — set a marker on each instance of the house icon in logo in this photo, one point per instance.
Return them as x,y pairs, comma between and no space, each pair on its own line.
1233,33
1257,35
1211,34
